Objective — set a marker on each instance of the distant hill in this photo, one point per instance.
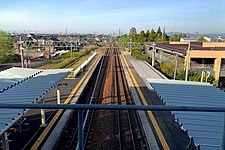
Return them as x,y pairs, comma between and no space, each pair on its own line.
200,34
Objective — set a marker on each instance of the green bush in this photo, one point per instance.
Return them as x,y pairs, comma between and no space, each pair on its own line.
139,55
8,59
167,68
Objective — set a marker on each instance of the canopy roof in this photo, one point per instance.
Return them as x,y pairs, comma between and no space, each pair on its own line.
25,86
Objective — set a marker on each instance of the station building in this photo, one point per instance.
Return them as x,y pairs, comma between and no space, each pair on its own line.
202,56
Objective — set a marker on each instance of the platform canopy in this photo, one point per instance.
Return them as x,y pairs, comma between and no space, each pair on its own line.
14,76
205,127
25,86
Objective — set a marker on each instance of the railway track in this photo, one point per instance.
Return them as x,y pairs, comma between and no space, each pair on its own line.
92,99
111,129
91,95
124,120
114,129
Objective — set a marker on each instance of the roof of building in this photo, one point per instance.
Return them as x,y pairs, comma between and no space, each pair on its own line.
205,128
23,38
190,39
182,48
31,85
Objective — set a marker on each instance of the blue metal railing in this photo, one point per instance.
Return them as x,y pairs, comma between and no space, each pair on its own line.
81,107
113,107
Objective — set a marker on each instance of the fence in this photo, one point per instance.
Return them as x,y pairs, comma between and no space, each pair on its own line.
81,107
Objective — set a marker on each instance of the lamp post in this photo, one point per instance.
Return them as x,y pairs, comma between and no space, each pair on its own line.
153,54
187,61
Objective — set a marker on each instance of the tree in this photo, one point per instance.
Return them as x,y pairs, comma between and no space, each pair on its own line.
176,37
6,44
146,35
201,39
133,32
141,36
164,36
159,34
159,30
152,36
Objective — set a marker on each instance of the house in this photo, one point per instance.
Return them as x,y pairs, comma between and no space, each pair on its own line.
188,39
21,41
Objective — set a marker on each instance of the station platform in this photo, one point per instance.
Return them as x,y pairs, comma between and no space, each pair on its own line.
167,133
29,127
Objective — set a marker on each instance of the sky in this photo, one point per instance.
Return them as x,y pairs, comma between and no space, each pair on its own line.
108,16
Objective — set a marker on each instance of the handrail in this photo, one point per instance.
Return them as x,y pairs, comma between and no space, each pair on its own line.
113,107
81,107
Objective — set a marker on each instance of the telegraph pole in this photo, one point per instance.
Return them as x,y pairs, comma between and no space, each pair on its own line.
187,61
153,54
21,51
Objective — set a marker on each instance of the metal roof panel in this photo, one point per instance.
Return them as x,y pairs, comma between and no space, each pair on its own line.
206,128
29,91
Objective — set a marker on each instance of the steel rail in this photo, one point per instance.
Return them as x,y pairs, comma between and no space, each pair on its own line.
127,102
72,141
117,88
91,113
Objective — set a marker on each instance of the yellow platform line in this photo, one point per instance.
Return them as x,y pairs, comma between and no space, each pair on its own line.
59,112
70,78
153,120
